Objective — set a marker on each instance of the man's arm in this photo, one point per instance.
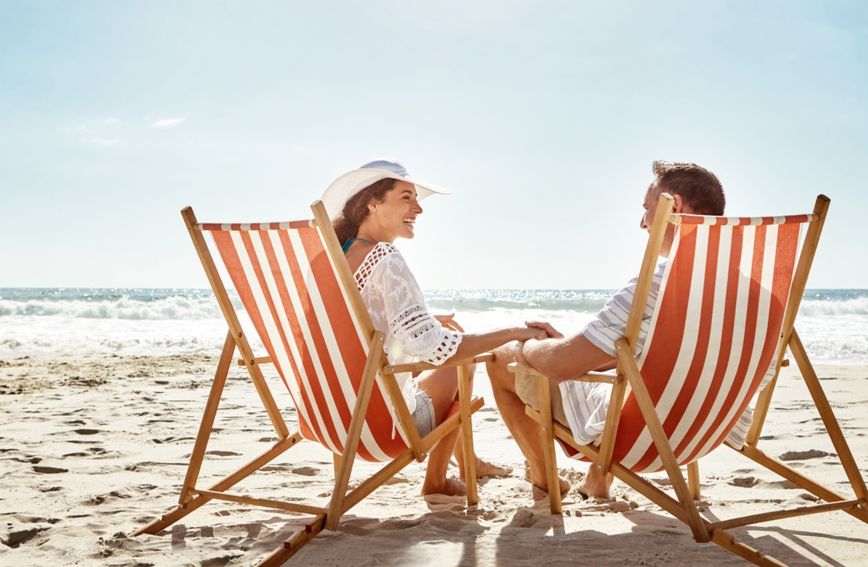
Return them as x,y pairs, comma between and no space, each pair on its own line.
564,358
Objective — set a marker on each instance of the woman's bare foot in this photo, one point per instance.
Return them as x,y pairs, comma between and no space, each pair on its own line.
449,487
485,469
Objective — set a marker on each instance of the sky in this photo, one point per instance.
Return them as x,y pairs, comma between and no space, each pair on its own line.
542,118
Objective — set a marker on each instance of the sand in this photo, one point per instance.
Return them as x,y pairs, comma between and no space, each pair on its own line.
94,447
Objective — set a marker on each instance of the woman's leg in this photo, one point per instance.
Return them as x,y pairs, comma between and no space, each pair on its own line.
441,385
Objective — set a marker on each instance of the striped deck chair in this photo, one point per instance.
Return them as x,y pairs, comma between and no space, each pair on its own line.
724,315
302,300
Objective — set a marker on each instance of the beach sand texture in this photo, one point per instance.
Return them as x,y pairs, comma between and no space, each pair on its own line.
93,447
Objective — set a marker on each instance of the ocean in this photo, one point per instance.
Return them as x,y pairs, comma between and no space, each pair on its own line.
833,323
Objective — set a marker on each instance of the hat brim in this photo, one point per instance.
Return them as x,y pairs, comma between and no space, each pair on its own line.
351,183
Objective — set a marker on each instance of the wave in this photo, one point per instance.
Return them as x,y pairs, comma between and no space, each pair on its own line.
169,308
196,304
828,307
549,300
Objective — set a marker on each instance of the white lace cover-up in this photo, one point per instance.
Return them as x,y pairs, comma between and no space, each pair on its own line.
397,308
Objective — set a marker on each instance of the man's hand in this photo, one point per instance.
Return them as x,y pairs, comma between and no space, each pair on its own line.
449,322
550,331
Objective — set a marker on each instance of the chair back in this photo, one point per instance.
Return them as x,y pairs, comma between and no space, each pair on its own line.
287,280
714,332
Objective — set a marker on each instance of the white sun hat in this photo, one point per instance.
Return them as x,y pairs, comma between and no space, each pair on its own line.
351,183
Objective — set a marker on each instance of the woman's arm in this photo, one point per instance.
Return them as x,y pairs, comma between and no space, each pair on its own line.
418,331
477,343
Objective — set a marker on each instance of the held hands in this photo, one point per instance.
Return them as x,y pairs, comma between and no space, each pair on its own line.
512,351
538,330
527,333
547,330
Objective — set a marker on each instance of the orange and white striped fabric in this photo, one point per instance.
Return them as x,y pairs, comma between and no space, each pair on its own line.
295,300
713,334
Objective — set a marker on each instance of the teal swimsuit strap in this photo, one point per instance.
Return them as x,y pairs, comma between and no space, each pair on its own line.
346,245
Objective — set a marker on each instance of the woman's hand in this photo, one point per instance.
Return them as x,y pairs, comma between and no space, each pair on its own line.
550,332
449,322
527,333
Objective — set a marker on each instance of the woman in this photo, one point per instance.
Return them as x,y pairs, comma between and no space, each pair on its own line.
371,207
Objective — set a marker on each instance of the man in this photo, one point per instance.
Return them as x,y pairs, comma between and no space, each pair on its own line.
583,405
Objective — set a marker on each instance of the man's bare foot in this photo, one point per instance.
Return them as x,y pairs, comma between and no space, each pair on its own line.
485,469
595,484
542,484
542,491
449,487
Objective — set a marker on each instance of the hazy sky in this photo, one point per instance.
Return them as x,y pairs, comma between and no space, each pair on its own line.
542,118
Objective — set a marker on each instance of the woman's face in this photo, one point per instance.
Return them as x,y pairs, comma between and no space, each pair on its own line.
396,214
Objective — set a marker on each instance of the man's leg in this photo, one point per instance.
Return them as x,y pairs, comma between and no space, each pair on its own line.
524,430
441,385
483,468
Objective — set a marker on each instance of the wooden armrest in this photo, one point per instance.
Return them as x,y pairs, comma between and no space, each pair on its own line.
517,368
257,360
420,366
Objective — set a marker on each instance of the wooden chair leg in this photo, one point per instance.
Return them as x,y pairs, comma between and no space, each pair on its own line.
547,440
693,479
336,461
833,428
342,480
667,456
207,423
464,392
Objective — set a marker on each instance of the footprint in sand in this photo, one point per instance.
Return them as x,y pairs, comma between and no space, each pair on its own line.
98,499
785,484
801,455
16,537
29,459
223,453
744,481
49,470
22,529
86,431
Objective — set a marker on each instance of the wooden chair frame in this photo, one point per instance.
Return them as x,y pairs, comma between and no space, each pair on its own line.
192,496
683,506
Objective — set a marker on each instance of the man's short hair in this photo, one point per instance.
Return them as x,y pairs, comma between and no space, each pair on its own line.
698,187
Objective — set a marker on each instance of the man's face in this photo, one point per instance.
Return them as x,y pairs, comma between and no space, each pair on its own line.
650,206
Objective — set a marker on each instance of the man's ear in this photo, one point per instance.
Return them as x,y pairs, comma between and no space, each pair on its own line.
678,203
